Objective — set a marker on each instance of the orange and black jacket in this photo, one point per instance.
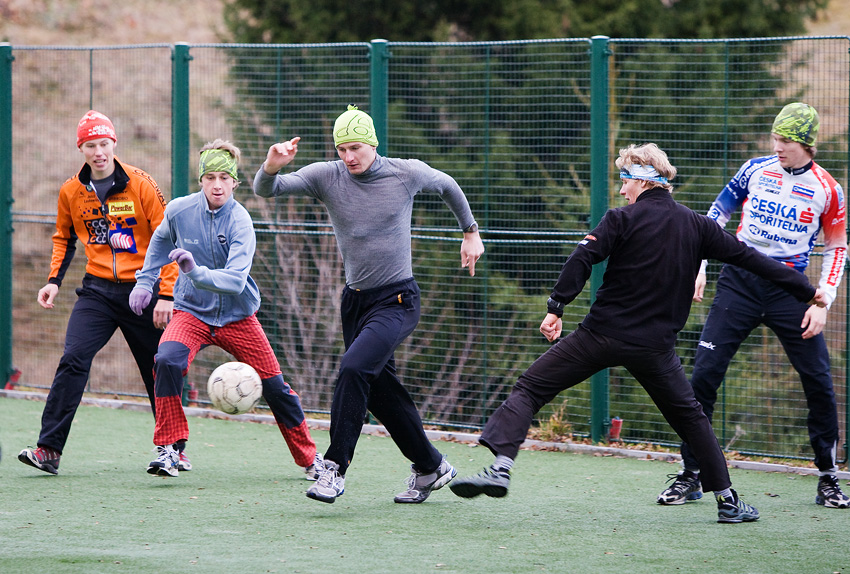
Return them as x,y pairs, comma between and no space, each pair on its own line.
115,233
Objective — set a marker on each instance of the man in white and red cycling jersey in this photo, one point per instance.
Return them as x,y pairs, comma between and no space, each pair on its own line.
786,200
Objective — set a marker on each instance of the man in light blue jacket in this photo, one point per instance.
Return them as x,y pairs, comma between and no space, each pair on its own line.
211,237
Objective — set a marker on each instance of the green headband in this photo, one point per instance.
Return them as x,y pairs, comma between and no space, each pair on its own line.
217,160
354,126
798,122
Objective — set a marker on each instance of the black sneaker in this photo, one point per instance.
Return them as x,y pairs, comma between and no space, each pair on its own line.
734,510
489,481
686,486
420,486
829,493
45,459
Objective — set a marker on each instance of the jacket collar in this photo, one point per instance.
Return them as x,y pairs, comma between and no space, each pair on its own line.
228,205
119,184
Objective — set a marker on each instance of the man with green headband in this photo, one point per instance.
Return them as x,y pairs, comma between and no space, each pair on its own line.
370,200
211,237
786,200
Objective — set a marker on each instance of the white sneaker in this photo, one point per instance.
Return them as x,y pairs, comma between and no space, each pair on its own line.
166,463
315,469
420,486
329,485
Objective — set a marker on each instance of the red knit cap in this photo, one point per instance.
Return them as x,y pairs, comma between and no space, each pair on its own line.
94,125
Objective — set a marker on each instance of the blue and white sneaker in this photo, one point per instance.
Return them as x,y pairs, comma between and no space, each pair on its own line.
330,484
166,464
420,486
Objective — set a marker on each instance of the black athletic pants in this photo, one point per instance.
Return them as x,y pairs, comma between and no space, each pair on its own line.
374,323
581,354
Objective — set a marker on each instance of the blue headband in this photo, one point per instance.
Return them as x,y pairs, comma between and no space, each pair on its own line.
644,172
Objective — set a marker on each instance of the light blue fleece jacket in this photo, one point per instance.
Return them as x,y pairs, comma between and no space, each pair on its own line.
219,290
370,212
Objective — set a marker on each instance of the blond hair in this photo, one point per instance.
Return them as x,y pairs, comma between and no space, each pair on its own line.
648,155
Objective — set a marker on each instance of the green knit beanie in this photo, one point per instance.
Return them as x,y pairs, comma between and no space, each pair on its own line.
798,122
354,126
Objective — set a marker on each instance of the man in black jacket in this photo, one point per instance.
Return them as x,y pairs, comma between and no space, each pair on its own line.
654,247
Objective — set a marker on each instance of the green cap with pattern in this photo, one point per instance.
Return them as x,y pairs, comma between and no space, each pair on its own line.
354,126
798,122
217,160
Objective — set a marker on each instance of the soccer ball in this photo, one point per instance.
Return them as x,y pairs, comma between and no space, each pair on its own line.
234,388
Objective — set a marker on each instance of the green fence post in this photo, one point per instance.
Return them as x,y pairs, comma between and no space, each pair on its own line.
180,137
6,200
380,92
846,334
180,119
599,419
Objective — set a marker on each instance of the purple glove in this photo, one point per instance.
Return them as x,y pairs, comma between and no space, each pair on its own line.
139,299
183,258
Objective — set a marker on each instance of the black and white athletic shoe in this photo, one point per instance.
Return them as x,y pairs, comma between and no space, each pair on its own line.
734,510
686,486
490,481
829,493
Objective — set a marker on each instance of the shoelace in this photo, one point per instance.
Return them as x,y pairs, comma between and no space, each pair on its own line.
328,477
680,484
410,481
165,456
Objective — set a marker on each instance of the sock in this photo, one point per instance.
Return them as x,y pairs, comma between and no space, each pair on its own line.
694,471
179,446
725,494
502,462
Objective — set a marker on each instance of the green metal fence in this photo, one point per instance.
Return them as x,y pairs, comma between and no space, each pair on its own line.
529,130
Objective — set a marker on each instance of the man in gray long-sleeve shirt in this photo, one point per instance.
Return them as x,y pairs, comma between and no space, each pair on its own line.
370,201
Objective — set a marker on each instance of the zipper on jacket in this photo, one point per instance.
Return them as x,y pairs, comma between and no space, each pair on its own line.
104,210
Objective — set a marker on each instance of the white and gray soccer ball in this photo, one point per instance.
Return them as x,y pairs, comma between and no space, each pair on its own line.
234,388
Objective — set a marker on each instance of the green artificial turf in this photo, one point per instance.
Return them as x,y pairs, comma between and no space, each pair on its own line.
243,509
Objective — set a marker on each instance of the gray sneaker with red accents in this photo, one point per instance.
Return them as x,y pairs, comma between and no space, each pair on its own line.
45,459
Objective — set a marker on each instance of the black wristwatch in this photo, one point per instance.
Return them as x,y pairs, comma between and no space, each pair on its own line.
554,307
472,228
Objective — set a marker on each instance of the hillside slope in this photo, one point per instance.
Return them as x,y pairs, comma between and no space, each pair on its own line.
107,22
110,22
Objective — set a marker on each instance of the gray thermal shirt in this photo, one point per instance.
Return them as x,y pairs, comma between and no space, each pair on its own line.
370,212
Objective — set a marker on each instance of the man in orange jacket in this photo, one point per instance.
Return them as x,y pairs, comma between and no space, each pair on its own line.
113,209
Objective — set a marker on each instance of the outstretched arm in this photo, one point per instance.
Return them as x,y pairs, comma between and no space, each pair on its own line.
280,155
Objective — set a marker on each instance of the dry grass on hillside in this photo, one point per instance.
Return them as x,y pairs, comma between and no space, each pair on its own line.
110,22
